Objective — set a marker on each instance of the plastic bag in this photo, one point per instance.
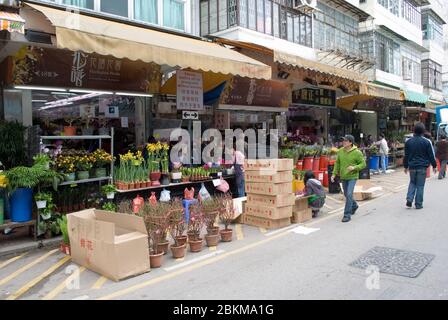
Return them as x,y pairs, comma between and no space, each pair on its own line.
189,194
204,195
223,186
165,196
137,204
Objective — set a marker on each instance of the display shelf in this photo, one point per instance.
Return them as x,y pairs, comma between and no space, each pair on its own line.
172,185
65,183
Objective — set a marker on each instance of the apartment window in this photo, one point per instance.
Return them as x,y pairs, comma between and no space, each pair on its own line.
174,14
86,4
290,26
411,65
432,28
213,16
260,15
146,10
432,75
252,14
222,7
276,20
411,13
383,50
392,5
335,30
268,16
117,7
243,13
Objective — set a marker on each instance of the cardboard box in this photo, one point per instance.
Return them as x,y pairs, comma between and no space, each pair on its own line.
238,205
365,190
302,216
301,203
266,223
280,177
268,212
114,245
269,188
270,166
281,200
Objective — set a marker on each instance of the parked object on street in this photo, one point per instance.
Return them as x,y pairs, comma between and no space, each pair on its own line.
301,210
114,245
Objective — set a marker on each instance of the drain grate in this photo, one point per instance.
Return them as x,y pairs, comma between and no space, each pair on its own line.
393,261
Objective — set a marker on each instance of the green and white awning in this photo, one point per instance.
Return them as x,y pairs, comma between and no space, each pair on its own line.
413,96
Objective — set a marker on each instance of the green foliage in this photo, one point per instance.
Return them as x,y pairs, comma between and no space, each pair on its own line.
41,159
30,177
109,206
109,188
12,144
43,196
64,229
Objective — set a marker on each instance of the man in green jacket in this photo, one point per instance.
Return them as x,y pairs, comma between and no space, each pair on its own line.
349,163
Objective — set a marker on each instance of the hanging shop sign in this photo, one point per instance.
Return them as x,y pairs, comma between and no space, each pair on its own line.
190,115
190,92
255,92
63,68
12,22
317,97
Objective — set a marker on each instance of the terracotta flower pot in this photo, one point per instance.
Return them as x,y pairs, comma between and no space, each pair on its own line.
155,260
226,235
195,245
212,240
181,240
178,252
163,247
69,131
155,177
213,231
65,248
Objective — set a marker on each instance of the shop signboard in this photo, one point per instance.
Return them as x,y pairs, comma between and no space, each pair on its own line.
254,92
68,69
190,115
317,97
190,90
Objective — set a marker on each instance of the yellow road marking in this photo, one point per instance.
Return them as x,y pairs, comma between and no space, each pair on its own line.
239,232
56,291
212,248
263,230
99,283
4,264
28,266
38,279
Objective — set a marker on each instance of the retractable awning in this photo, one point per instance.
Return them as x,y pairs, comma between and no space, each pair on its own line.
413,96
368,91
90,34
11,22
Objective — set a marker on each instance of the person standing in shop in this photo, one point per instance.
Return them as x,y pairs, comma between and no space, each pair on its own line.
383,151
442,155
418,156
349,163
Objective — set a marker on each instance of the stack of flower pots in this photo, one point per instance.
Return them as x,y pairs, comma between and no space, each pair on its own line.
270,198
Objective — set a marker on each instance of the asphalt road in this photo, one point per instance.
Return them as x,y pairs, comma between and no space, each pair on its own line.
280,264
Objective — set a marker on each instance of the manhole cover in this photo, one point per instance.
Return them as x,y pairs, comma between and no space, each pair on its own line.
397,262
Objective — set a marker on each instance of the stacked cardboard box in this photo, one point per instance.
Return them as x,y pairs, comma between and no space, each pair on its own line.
270,198
301,212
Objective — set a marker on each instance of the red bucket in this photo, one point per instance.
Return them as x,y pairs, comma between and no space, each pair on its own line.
323,163
299,165
319,175
308,163
316,164
326,179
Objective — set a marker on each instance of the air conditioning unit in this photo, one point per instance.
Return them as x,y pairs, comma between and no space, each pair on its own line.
305,5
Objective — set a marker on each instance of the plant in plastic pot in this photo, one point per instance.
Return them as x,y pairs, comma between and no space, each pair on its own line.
65,244
42,160
109,190
109,206
84,164
100,159
42,198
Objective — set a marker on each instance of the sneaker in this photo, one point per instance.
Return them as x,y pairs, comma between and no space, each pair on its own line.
354,210
346,219
409,204
418,207
315,213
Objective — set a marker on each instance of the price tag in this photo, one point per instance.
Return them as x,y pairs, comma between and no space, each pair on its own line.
217,182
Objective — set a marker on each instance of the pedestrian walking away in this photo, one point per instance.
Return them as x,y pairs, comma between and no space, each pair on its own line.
316,191
442,155
418,156
350,161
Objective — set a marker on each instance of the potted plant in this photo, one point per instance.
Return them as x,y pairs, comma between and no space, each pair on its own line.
42,198
226,215
109,190
65,244
176,175
195,225
177,228
323,165
101,159
42,160
186,174
316,161
210,209
21,181
84,164
109,206
70,130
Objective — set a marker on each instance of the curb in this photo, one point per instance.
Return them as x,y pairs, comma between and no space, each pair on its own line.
32,245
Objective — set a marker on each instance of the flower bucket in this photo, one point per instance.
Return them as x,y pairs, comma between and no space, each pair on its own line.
308,163
69,131
41,204
323,165
316,164
111,195
70,177
299,165
326,179
22,205
83,175
100,172
299,186
319,176
374,163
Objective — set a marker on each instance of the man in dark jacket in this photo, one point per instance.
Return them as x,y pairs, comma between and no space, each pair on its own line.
442,155
418,155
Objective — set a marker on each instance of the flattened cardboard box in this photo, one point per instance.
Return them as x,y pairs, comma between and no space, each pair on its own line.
281,200
270,166
266,223
301,203
365,190
268,212
280,177
114,245
302,216
268,188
